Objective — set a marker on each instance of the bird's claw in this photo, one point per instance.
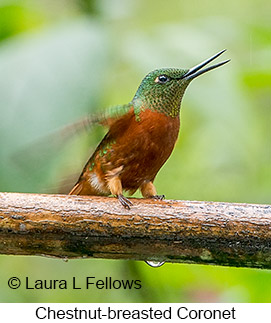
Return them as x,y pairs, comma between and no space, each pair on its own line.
124,201
158,197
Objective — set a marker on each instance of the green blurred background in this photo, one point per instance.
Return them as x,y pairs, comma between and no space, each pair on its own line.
60,60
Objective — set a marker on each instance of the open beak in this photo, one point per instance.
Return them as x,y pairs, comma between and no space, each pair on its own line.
196,70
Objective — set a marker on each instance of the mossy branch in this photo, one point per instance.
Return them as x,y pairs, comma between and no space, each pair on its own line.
63,226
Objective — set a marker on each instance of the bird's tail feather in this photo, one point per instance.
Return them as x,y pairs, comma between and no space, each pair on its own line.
77,189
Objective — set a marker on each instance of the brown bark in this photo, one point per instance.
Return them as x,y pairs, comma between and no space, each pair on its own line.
63,226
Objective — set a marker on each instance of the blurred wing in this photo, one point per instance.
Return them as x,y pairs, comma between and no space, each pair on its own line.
111,115
59,137
107,118
72,142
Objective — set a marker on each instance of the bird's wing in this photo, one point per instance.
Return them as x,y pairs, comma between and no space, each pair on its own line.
57,138
106,118
111,115
43,149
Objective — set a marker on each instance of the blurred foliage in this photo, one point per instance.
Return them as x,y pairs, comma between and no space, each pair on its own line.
60,60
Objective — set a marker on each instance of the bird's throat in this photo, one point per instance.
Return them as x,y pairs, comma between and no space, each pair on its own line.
168,107
168,102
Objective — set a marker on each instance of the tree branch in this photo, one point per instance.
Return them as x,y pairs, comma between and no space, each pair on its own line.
174,231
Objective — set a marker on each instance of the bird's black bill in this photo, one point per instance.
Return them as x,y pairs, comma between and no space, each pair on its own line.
197,70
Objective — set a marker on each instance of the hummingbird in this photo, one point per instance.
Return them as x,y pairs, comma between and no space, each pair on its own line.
141,136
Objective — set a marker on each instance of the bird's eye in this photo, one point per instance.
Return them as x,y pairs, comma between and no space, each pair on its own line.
162,79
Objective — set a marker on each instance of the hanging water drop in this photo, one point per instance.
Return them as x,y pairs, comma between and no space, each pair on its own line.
155,264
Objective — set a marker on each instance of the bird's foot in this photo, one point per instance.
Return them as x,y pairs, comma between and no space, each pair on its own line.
158,197
124,201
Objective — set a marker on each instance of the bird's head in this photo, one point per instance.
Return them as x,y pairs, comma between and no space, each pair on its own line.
162,89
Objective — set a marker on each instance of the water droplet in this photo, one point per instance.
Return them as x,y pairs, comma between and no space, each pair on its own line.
155,264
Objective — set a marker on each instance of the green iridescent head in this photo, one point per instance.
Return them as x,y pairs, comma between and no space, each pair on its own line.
162,89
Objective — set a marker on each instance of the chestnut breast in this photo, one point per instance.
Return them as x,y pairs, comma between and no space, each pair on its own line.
142,145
